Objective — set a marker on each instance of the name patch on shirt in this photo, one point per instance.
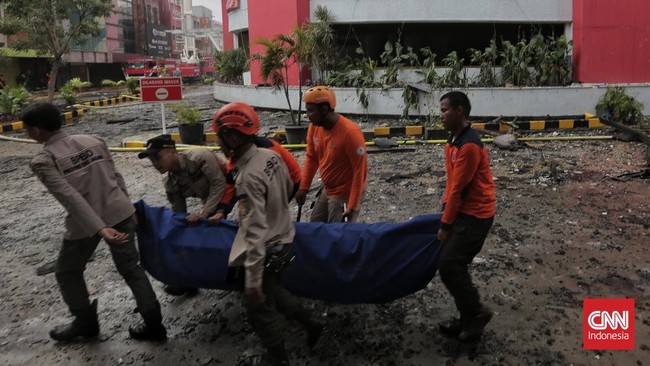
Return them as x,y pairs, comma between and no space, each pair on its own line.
73,163
271,166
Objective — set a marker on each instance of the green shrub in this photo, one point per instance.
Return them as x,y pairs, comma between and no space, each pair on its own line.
455,75
120,83
69,93
132,84
77,84
515,61
12,100
616,105
230,65
108,83
487,61
186,114
208,81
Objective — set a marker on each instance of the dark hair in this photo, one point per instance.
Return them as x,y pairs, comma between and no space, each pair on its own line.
458,99
43,115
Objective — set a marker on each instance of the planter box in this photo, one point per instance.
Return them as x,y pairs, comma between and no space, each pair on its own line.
507,102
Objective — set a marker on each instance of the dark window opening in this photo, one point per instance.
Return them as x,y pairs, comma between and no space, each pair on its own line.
441,38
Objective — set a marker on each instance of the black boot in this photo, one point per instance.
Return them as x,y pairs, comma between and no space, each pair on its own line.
473,330
450,328
276,356
152,329
313,326
84,325
180,291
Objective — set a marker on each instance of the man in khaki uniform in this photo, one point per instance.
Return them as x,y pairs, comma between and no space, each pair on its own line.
192,173
79,171
263,242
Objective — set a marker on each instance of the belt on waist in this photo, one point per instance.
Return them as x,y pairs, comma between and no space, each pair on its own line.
278,249
279,256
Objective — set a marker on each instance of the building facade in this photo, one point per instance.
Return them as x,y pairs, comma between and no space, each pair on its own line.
135,29
611,39
203,22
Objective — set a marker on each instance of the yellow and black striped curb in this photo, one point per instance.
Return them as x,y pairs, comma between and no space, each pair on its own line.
207,137
137,146
551,124
211,137
68,117
109,101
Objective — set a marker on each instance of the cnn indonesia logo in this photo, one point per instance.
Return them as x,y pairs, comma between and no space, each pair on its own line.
608,324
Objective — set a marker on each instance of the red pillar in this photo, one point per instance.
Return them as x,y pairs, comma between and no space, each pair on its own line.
228,42
268,18
611,41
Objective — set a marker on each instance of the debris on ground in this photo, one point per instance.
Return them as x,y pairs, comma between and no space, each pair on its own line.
562,233
506,142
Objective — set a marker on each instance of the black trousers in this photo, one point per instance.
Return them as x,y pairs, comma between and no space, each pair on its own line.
268,318
465,242
72,260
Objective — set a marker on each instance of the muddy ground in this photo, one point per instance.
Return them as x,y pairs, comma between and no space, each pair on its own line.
564,231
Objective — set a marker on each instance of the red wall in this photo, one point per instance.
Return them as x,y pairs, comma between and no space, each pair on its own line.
268,18
228,42
611,41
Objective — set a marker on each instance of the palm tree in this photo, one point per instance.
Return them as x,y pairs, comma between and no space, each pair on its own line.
281,52
322,46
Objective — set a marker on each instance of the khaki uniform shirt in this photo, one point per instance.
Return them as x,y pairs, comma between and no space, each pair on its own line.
79,171
201,176
262,185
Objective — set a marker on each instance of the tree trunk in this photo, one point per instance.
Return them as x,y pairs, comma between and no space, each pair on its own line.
285,86
286,95
640,135
299,93
56,63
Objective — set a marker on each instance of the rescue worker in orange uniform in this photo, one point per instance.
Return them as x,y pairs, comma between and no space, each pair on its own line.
263,244
469,206
337,149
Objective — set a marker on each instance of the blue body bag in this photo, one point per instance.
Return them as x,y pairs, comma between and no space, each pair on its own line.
343,263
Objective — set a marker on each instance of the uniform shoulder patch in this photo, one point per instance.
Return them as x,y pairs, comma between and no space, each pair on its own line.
244,207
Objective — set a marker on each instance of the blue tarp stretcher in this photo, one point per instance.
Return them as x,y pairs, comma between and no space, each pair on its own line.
342,263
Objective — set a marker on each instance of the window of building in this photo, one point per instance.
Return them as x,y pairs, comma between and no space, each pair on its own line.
441,38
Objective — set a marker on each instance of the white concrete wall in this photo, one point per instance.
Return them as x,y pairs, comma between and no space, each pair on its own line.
554,101
475,11
238,19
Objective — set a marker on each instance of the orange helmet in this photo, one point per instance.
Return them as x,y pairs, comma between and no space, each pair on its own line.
237,115
320,94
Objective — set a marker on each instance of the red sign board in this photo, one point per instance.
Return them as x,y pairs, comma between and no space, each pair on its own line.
161,89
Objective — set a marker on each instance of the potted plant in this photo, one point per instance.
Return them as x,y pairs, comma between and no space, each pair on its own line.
189,128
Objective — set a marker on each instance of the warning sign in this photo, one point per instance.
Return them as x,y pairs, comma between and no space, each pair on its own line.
161,89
